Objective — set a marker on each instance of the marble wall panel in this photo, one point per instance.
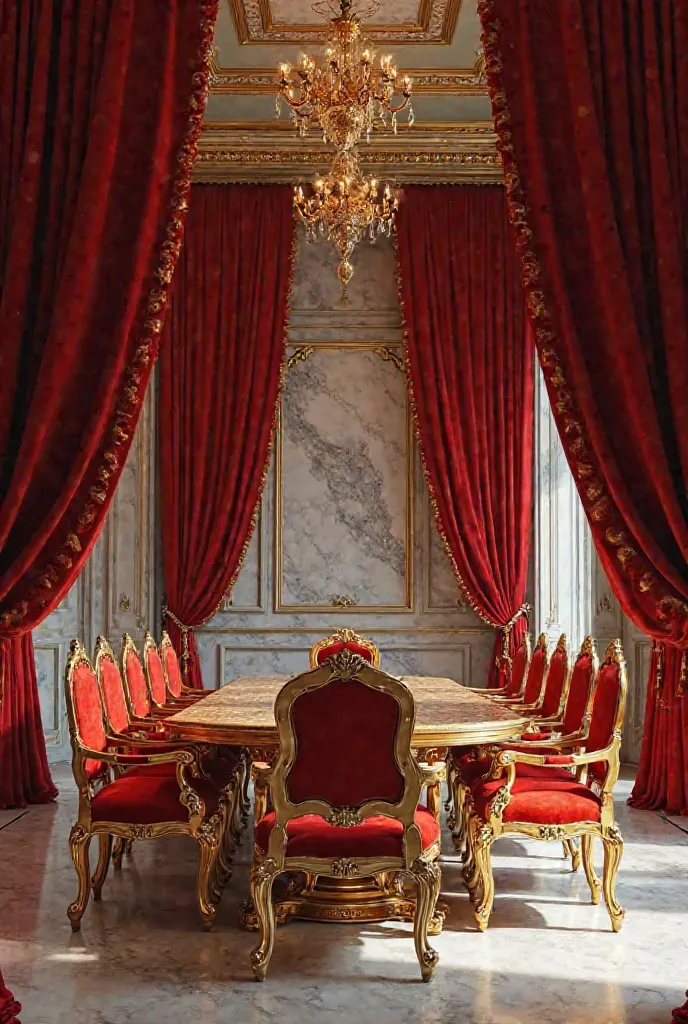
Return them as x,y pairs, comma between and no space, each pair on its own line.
316,287
344,511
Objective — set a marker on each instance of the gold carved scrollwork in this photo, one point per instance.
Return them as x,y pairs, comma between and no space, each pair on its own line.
343,601
345,664
344,868
549,832
345,817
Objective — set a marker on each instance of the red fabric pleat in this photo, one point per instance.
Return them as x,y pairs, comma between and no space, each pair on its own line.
9,1007
470,359
101,102
24,773
219,384
591,109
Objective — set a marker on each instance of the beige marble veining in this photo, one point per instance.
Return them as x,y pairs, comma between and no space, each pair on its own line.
142,957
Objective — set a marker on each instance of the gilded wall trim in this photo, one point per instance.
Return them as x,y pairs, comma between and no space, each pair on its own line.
272,151
255,81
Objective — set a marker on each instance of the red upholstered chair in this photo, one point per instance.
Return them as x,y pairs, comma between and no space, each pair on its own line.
556,795
162,707
145,802
536,678
344,640
345,798
556,683
562,732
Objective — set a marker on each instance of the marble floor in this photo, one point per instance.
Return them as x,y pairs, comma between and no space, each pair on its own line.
548,956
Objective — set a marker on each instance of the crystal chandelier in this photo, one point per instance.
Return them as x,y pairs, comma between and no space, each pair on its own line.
349,97
343,208
345,93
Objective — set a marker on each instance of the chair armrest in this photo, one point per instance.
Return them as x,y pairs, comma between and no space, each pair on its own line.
508,757
182,756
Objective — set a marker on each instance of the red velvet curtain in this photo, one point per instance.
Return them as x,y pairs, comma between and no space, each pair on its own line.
100,105
9,1007
591,107
470,365
220,371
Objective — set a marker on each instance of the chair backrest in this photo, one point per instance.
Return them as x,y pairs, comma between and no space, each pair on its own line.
581,688
344,640
155,674
519,667
84,712
608,706
170,665
537,671
135,685
111,687
361,764
557,679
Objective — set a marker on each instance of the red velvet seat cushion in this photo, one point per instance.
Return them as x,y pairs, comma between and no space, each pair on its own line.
311,836
145,798
541,800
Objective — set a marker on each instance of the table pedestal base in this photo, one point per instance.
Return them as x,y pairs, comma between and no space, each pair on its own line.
343,900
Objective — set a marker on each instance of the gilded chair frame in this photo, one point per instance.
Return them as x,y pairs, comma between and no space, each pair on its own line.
206,829
481,834
459,790
419,863
345,636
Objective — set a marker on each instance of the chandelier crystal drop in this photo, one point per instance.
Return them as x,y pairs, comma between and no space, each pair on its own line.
345,208
345,93
349,96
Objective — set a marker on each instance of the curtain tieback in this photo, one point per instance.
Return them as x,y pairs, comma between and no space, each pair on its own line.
682,685
167,614
505,657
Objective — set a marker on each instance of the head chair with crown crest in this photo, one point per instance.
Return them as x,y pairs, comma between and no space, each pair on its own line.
346,798
344,640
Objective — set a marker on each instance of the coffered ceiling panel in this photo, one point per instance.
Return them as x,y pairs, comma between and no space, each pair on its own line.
295,21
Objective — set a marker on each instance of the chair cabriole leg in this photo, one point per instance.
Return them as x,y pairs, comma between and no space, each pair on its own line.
79,842
594,881
262,877
100,874
613,852
427,877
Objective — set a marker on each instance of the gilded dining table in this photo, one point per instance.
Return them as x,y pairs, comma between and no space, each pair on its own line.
447,715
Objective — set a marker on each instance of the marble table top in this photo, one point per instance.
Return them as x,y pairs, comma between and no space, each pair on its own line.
447,714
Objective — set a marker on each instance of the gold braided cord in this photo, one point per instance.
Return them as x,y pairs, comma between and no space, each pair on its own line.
472,600
137,374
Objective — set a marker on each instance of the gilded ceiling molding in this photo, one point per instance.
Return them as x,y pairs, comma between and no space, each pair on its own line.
428,153
436,23
426,81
